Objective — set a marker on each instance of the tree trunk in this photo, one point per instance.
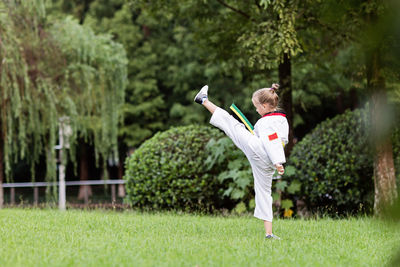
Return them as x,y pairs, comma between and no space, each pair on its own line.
84,11
285,81
85,191
384,173
384,178
340,107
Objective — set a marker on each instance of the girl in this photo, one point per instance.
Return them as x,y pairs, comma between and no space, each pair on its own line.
264,149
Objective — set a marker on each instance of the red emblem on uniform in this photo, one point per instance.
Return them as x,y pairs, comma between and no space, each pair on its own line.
273,136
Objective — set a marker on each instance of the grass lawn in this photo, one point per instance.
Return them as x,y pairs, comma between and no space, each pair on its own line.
105,238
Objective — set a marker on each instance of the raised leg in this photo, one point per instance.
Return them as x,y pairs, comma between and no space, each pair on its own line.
210,106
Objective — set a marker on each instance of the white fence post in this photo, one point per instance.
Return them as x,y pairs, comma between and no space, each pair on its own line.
12,196
65,132
35,196
61,189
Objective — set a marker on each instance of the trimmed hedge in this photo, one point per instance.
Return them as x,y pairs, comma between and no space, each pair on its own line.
334,164
168,171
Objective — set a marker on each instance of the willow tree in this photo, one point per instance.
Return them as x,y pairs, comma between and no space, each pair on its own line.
52,69
96,77
29,67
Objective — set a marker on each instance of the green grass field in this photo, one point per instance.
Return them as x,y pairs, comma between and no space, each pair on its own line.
105,238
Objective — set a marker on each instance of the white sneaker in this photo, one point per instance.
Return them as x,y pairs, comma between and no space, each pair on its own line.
272,236
201,95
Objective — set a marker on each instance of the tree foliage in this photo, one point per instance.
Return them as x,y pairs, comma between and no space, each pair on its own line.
95,82
168,63
30,67
52,69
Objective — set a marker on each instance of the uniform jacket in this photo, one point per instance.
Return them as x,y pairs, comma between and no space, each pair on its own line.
273,131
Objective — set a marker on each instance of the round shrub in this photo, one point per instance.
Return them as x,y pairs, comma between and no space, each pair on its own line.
168,171
334,164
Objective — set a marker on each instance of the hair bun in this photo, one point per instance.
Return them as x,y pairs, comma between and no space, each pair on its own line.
274,87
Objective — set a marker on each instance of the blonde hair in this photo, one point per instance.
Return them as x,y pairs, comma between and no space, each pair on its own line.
267,96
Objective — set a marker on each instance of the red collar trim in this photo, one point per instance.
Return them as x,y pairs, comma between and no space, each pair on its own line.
274,114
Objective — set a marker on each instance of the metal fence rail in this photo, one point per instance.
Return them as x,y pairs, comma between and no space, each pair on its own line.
67,183
36,185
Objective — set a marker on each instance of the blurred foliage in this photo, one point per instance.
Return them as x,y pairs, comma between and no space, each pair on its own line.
168,172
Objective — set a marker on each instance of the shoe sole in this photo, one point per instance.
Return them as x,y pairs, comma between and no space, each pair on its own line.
200,93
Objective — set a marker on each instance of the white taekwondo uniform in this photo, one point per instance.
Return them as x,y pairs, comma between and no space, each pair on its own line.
263,150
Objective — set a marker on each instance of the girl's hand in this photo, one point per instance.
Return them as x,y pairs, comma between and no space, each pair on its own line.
280,169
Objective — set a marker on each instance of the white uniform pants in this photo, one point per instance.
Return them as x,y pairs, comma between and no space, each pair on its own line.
261,166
